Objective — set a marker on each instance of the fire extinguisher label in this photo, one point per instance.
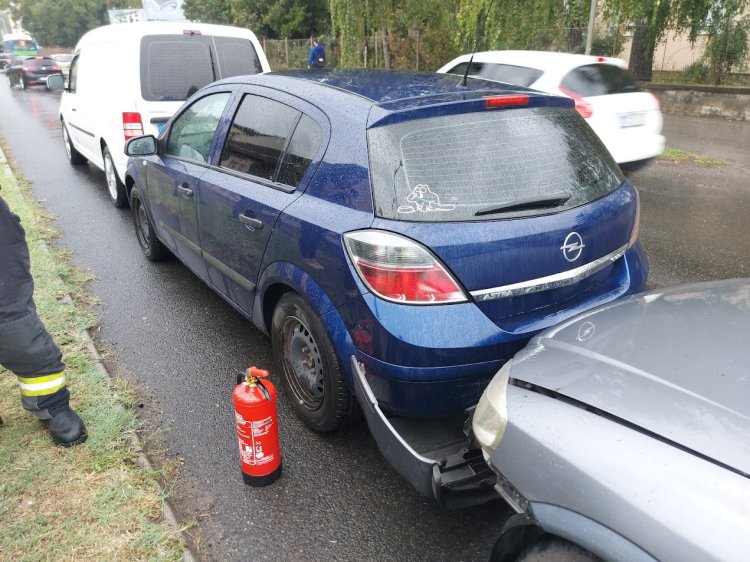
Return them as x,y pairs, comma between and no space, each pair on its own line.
250,434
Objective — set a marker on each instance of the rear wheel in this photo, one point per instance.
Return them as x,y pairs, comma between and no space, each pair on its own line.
310,372
24,83
152,248
74,156
115,187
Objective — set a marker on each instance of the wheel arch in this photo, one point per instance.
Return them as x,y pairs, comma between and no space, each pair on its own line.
282,277
555,521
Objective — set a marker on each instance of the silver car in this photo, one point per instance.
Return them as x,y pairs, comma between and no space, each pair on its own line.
625,433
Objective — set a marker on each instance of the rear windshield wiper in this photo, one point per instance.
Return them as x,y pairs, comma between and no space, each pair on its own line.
528,204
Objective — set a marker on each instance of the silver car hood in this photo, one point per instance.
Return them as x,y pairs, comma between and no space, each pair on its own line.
675,363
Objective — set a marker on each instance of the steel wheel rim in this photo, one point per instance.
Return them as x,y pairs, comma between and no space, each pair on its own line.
66,142
109,172
143,229
303,364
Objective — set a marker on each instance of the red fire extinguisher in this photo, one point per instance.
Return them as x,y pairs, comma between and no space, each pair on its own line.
254,400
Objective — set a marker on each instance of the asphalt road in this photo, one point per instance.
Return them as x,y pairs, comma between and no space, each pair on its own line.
181,345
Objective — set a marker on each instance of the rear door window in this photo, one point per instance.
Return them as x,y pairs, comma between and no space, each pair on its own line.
258,136
599,80
299,154
488,165
237,57
510,74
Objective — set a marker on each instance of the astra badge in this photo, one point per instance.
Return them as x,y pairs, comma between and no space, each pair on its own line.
572,247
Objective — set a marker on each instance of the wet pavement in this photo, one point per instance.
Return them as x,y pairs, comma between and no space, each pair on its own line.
181,345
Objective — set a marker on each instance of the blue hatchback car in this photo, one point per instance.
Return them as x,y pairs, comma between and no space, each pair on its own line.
424,228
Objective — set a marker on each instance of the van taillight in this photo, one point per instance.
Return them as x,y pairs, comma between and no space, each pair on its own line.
132,126
582,106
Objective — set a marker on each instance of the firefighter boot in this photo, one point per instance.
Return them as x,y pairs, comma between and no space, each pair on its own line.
67,428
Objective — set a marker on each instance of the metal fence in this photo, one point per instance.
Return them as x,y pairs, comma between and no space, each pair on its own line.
674,58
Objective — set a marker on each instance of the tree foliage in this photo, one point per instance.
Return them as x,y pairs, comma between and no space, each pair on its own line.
268,18
59,23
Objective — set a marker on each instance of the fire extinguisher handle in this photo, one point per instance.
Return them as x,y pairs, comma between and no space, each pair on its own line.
256,372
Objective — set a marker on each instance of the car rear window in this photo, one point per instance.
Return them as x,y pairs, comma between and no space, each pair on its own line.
510,74
174,67
39,63
488,165
599,80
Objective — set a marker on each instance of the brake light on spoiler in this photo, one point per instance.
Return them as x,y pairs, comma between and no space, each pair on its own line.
514,100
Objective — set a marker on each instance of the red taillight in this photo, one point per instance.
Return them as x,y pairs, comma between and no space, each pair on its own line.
658,102
506,101
398,269
582,106
55,69
28,69
132,126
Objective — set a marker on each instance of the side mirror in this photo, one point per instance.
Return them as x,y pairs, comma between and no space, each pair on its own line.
55,82
141,146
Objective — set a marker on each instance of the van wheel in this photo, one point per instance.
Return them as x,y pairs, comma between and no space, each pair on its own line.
310,372
115,187
74,156
552,549
152,248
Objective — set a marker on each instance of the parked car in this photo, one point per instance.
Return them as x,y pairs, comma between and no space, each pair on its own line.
128,79
63,60
624,432
30,71
626,118
425,229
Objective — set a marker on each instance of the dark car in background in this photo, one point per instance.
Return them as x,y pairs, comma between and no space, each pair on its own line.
30,71
401,222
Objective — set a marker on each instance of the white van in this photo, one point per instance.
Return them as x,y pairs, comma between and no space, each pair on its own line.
127,80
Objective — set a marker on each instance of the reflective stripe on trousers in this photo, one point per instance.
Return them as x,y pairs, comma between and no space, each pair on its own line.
41,386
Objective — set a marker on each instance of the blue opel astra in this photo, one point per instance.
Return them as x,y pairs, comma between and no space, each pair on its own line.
421,228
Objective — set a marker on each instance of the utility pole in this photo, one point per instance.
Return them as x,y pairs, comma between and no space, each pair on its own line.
590,35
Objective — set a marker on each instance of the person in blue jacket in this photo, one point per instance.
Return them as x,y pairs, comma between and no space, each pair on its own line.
317,54
26,347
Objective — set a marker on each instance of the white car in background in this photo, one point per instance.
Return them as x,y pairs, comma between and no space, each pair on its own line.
627,119
63,61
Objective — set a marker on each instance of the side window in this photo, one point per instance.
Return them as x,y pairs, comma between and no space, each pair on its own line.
258,136
511,74
73,74
301,150
192,133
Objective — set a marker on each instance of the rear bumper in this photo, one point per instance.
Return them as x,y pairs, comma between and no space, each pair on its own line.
448,470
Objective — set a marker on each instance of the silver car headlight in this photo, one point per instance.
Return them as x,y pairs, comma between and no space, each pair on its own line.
491,414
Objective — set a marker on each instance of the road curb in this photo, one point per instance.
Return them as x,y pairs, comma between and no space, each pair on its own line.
136,444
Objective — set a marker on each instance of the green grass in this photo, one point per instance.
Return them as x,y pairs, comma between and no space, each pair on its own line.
677,156
91,502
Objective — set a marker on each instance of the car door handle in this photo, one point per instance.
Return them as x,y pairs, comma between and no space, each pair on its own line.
251,222
185,190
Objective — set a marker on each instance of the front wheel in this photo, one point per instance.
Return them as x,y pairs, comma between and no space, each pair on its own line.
311,376
552,549
115,187
152,247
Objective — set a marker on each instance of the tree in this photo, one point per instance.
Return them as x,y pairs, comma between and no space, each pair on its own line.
269,18
60,22
653,17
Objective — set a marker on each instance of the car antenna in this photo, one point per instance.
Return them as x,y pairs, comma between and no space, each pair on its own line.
476,43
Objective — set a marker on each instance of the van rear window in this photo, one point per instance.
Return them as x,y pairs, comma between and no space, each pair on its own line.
488,165
174,67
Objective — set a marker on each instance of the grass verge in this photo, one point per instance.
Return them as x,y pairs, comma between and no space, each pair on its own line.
91,502
677,156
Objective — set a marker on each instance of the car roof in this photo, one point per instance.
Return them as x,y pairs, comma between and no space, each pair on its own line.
542,60
390,90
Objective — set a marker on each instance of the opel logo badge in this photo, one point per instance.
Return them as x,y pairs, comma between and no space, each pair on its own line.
572,247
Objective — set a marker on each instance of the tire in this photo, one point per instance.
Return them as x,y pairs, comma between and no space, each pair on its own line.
24,83
116,188
74,157
553,549
152,247
10,81
311,376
